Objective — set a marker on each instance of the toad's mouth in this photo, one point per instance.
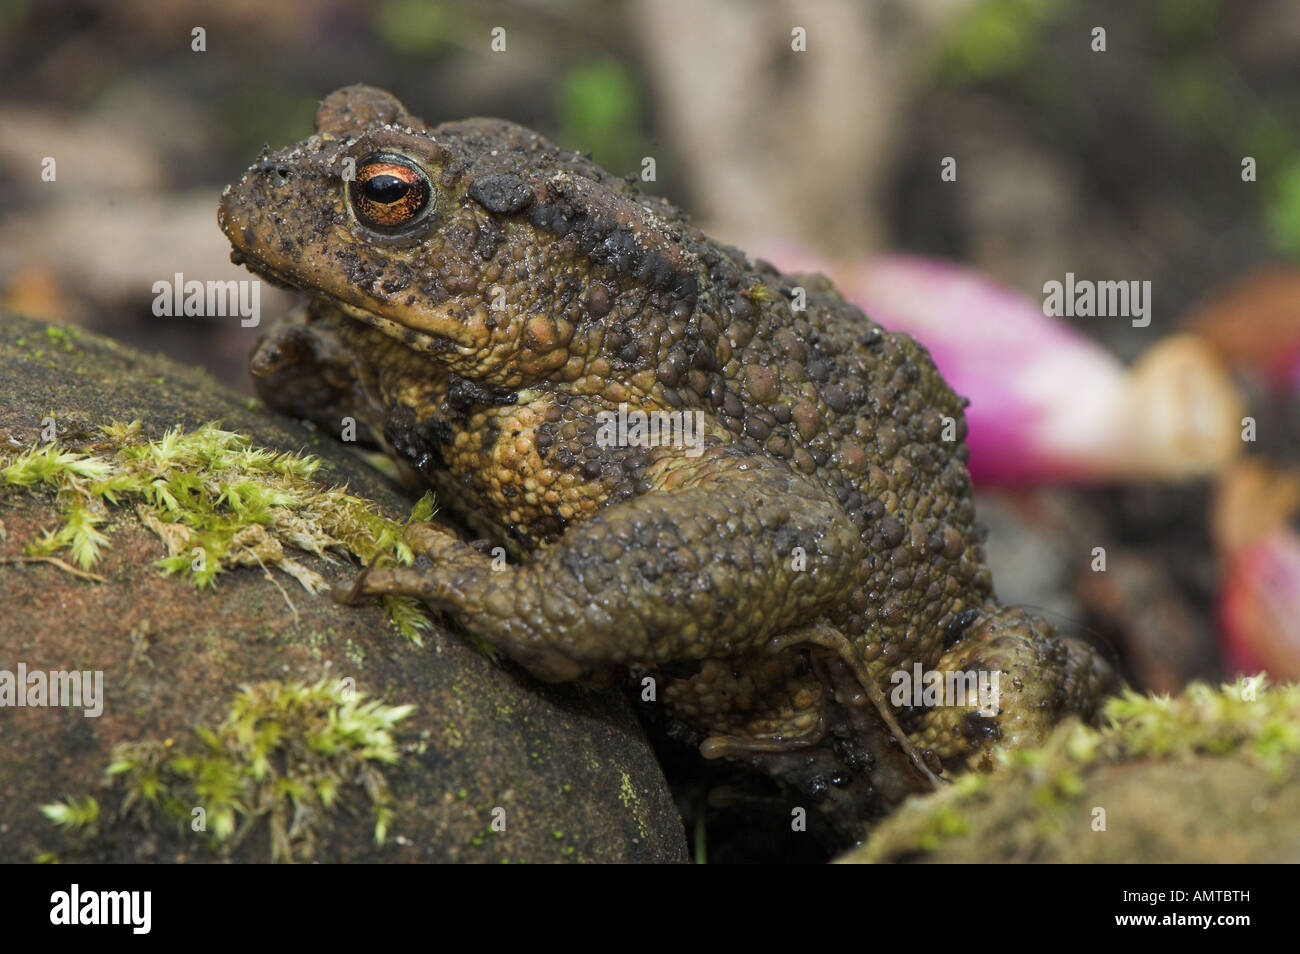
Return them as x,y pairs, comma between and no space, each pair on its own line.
263,270
426,341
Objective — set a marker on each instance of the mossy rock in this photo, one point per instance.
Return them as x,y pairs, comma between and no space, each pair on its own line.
1208,776
286,725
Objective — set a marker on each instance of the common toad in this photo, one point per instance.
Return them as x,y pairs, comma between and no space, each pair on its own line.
487,305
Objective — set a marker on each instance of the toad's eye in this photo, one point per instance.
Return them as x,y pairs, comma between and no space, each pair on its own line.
389,193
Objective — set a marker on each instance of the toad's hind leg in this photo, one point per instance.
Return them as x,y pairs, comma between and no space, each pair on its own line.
828,638
767,704
1036,680
807,727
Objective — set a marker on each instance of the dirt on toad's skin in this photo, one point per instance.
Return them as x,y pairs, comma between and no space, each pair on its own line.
569,766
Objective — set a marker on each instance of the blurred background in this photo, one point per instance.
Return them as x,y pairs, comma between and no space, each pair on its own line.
1170,449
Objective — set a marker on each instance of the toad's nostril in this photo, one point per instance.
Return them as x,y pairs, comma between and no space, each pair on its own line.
282,171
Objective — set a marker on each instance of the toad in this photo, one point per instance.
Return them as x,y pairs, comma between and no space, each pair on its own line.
687,465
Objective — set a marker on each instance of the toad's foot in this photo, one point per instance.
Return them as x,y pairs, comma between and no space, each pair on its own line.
1034,678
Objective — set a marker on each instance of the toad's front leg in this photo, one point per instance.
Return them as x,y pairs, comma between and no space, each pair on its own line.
700,567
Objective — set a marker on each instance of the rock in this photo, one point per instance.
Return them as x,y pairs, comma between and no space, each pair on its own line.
295,766
1207,777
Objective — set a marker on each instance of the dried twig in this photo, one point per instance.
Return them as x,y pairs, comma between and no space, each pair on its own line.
93,577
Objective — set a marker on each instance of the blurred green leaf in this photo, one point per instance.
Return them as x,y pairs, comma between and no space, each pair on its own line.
13,12
1269,140
993,39
598,99
270,116
599,108
1193,97
419,26
1190,20
1283,212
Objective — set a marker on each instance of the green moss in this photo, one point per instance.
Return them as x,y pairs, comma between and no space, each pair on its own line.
1246,720
287,754
216,503
62,336
628,796
1246,717
408,615
76,814
941,825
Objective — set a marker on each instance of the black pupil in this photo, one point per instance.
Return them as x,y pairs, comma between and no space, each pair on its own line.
386,189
